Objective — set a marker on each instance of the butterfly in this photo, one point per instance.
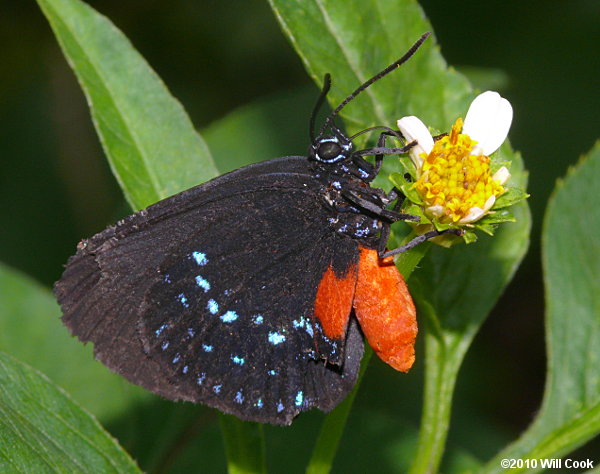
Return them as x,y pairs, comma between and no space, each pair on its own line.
251,293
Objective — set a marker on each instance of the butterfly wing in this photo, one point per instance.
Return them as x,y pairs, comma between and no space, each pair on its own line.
209,295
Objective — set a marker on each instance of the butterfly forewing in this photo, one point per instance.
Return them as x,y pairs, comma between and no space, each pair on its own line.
226,321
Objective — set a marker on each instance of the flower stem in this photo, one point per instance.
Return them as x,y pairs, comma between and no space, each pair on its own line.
441,369
244,445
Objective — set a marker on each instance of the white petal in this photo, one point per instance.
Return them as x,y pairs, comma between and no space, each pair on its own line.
413,129
489,203
474,214
488,121
435,211
501,176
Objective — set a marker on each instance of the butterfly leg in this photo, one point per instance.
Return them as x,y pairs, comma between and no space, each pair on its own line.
376,207
386,227
414,242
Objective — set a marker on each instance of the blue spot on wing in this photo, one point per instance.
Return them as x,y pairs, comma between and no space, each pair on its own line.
202,283
276,338
183,300
212,306
239,397
229,317
200,258
207,347
258,319
299,398
238,360
217,388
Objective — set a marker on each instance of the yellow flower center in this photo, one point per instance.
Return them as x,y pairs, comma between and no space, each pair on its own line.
453,179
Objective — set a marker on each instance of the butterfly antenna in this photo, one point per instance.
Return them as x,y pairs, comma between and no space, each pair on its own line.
375,78
320,100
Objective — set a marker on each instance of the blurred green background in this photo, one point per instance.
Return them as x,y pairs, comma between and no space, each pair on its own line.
55,186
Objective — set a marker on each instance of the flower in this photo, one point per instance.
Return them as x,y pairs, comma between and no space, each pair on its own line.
453,174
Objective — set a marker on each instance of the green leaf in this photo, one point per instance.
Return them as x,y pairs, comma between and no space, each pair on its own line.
43,430
570,413
149,140
28,312
244,445
272,126
457,287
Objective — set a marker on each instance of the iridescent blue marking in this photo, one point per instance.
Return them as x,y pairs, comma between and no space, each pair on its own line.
200,258
258,319
176,358
363,173
212,306
276,338
164,345
227,292
309,329
238,360
279,407
229,317
207,348
160,329
299,398
259,403
361,233
303,323
217,388
183,300
167,278
272,372
191,332
201,378
185,369
239,397
202,283
336,185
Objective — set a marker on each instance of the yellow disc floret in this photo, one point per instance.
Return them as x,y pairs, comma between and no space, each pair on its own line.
453,180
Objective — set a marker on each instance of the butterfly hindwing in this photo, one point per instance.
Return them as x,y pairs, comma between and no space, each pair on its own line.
170,303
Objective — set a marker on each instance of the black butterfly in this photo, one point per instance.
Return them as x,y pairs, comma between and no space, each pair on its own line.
238,293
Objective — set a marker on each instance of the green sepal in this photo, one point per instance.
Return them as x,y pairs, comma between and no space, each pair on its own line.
469,237
486,227
408,167
497,217
510,197
495,165
406,187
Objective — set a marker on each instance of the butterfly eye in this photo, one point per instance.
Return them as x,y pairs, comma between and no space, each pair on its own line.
330,150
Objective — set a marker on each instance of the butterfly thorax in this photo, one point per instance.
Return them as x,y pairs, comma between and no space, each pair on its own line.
342,182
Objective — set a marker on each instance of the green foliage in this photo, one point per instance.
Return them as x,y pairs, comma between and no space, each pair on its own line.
148,138
154,152
570,413
31,330
43,430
